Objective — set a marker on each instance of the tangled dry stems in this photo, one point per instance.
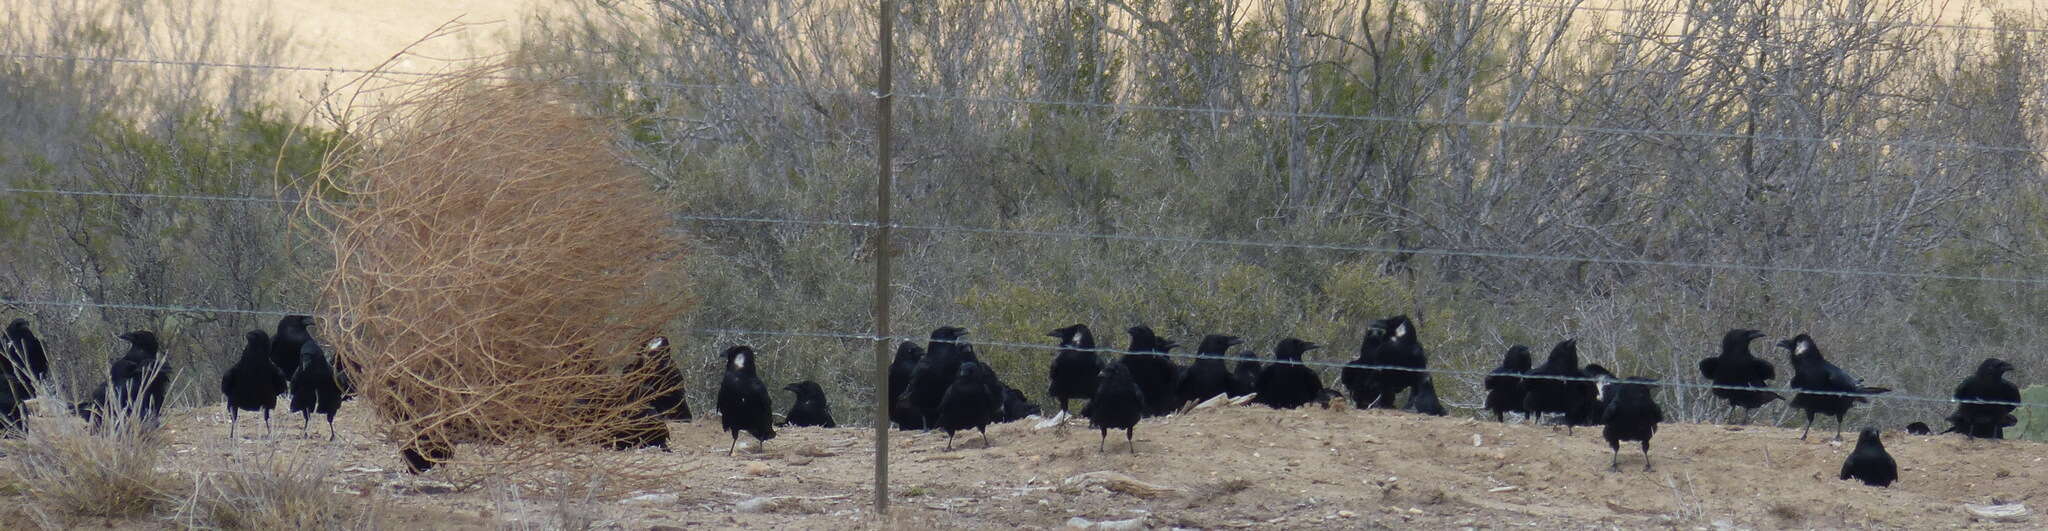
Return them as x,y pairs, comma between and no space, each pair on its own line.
68,469
497,268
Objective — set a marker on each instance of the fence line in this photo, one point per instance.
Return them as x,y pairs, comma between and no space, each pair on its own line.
866,336
1375,249
1130,107
1822,20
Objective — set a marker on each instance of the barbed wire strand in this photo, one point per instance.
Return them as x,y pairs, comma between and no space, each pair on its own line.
856,336
1128,107
1425,251
1780,18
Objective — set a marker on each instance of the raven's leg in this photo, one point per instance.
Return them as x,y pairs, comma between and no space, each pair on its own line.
1130,436
330,427
735,444
1103,445
1646,455
1614,449
266,423
984,436
232,418
1809,425
1063,404
1838,425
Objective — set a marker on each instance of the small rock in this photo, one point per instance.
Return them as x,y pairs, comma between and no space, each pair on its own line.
1121,525
2000,513
1079,523
777,504
1724,525
1477,441
654,499
1509,488
1347,514
798,460
760,469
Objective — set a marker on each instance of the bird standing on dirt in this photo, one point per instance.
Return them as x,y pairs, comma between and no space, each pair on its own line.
1737,367
253,383
1980,420
934,373
1154,372
1118,404
1016,406
292,335
1919,428
1423,399
905,416
314,389
1811,372
1285,385
1562,393
1403,349
743,401
1207,376
810,408
1075,367
1504,385
1629,412
1360,377
1870,463
973,401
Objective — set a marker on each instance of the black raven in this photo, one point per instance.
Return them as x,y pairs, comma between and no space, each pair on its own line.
901,412
1870,463
1590,406
314,389
253,383
810,408
1423,399
1075,367
1736,367
24,363
1919,428
1207,376
290,337
1016,406
1153,370
974,399
1284,385
1504,386
1359,377
1118,404
662,386
136,382
743,401
1402,349
1244,379
1986,421
1811,372
1628,412
934,373
1543,396
425,453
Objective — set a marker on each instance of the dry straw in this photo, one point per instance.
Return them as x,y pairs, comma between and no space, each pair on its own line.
497,268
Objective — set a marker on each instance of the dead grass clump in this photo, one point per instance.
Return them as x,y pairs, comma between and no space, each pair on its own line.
66,471
497,268
272,491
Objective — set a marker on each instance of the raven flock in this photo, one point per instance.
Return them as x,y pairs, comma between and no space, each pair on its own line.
943,385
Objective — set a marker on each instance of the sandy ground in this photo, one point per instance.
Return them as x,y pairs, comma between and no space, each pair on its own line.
1221,468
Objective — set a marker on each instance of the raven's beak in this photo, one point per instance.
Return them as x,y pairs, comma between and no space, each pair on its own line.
1235,341
1307,346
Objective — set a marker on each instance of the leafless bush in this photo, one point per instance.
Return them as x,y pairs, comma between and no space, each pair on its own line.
498,265
271,490
68,471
